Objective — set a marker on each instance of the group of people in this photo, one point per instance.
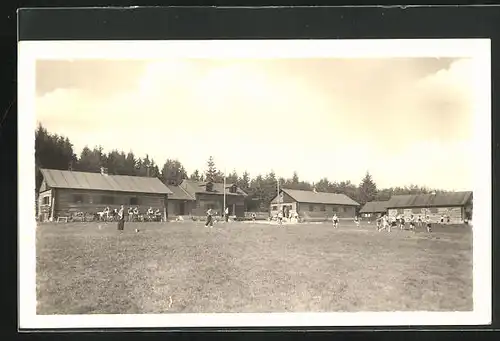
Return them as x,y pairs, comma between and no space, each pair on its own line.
385,222
210,217
132,212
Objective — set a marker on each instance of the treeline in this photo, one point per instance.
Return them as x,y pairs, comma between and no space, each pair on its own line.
56,152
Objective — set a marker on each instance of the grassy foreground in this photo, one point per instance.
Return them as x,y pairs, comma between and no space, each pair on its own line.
90,268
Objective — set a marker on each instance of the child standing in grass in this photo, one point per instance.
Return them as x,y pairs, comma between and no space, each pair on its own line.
385,224
356,221
121,218
412,223
335,221
209,221
429,227
280,217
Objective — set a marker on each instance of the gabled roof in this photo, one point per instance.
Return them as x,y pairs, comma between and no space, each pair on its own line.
193,187
312,197
374,207
430,200
97,181
178,193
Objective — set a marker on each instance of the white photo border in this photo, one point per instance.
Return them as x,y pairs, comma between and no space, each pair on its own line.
478,50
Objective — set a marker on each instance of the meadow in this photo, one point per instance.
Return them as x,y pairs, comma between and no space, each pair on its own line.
91,268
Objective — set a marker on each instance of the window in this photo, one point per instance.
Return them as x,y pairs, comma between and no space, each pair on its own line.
274,208
334,209
311,208
342,209
134,201
232,189
107,200
78,198
46,201
209,187
323,208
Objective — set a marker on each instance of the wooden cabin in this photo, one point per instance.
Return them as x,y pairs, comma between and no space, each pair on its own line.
63,193
313,205
457,206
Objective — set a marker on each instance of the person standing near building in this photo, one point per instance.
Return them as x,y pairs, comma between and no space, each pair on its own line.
280,217
429,225
226,214
209,222
121,218
335,221
130,213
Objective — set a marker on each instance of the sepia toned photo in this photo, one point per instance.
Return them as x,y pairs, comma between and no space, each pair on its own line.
292,183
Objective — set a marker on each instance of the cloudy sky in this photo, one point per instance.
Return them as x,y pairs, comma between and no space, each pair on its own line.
406,121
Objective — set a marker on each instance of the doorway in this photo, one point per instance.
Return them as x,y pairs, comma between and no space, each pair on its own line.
182,208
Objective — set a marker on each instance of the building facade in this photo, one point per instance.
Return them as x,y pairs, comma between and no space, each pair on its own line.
209,195
312,205
373,210
64,193
180,202
454,207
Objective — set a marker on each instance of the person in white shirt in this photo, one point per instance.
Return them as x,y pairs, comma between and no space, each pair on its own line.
335,221
280,217
226,214
429,225
209,222
412,222
386,225
356,221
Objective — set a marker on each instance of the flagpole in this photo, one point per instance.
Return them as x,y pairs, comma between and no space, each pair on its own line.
224,208
278,187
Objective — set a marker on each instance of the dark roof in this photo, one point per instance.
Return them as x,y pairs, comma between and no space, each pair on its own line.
193,187
178,193
374,207
97,181
430,200
319,197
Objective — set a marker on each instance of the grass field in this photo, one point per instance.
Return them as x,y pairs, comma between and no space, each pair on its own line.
241,267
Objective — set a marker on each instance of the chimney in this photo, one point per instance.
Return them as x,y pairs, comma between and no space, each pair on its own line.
104,171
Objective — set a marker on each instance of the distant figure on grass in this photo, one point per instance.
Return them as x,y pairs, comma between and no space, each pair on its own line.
335,221
136,213
442,219
130,213
419,221
280,217
121,218
356,221
429,225
253,217
412,223
209,222
385,224
149,213
401,222
378,222
226,214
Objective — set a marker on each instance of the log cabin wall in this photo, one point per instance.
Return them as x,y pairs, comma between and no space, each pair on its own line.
68,201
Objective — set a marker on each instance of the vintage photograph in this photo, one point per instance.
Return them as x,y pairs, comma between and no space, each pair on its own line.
202,184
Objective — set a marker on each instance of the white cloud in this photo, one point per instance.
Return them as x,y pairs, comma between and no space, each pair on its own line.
249,117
